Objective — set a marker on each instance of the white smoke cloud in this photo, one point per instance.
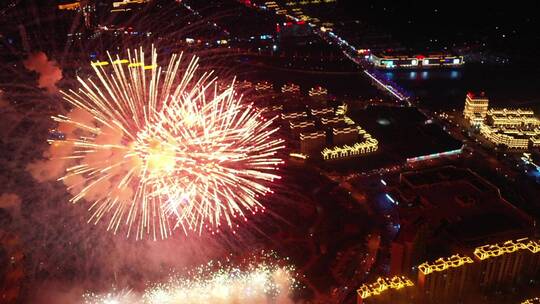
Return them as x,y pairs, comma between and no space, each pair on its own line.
48,70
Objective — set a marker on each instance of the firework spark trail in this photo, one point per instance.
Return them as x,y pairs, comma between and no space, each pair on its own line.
156,149
257,283
265,281
113,297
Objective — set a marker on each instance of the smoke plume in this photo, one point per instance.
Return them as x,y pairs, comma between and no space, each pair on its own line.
48,70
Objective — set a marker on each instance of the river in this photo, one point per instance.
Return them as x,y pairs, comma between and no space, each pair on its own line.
506,86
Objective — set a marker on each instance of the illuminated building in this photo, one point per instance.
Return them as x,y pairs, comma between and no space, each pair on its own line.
507,263
70,6
314,126
117,4
299,155
453,279
407,246
511,128
381,286
494,250
445,280
384,61
243,85
330,122
300,126
368,145
476,108
465,209
512,118
293,115
124,61
317,91
507,138
532,301
515,128
501,264
400,257
342,109
271,109
87,8
443,264
312,142
263,86
290,88
322,112
344,135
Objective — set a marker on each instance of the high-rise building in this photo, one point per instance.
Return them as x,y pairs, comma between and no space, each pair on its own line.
445,280
330,122
513,128
505,264
407,249
476,108
301,126
323,112
345,135
384,290
461,278
512,119
312,142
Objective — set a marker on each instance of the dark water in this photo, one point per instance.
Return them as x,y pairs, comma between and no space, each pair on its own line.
506,86
342,85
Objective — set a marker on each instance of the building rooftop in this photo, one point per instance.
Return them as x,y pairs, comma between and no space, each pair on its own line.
460,207
477,95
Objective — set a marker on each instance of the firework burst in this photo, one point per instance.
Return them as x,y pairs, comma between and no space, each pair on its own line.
262,278
113,297
262,282
161,148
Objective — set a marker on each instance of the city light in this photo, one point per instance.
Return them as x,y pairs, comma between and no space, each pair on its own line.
384,61
317,91
385,86
263,86
322,112
299,155
70,6
382,284
434,155
326,130
391,199
495,250
442,264
368,146
512,128
290,88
